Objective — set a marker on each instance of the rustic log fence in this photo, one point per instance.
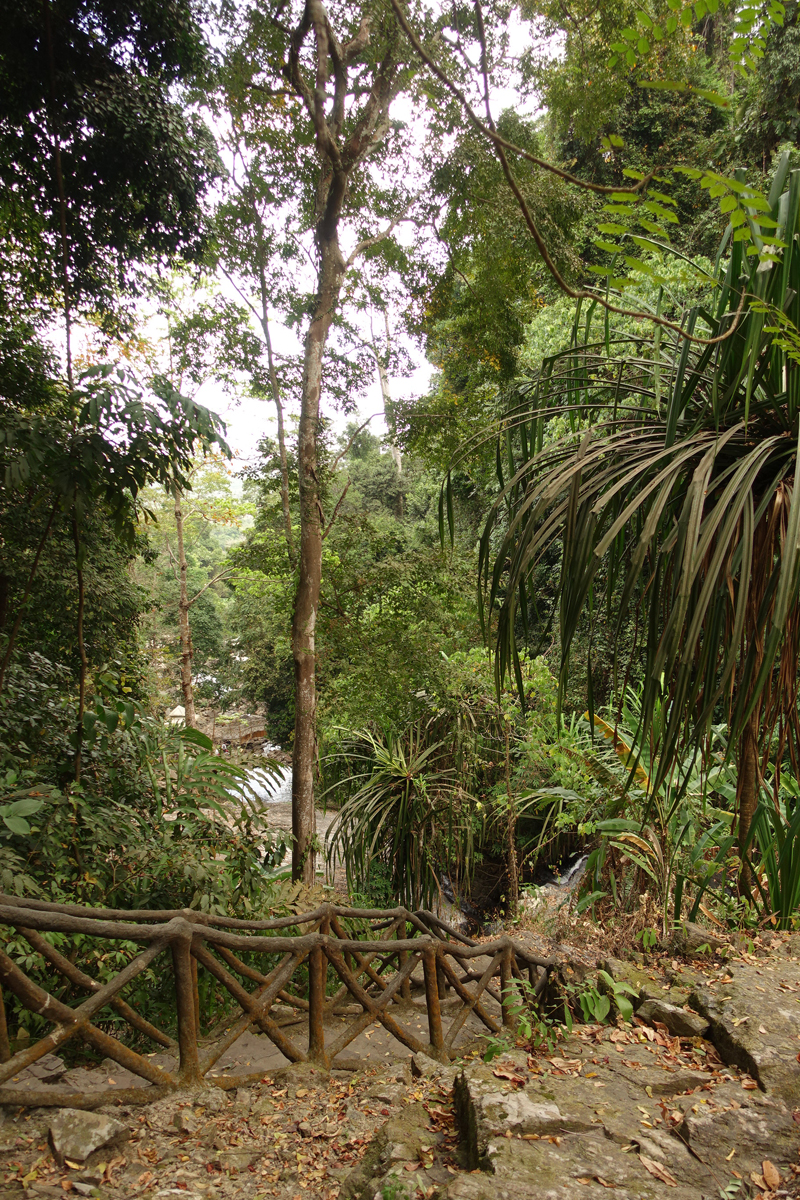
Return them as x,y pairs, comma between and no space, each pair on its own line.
375,959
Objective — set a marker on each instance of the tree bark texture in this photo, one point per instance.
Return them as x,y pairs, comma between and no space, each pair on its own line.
81,647
339,153
183,619
306,606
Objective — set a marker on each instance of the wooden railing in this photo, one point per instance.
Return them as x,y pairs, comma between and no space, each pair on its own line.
376,958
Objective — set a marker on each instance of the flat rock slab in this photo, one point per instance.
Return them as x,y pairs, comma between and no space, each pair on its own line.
755,1022
75,1134
641,1120
679,1022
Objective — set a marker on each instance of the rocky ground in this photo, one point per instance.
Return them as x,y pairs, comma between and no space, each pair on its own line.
698,1097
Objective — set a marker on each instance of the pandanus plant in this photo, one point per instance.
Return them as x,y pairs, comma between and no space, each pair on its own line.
672,497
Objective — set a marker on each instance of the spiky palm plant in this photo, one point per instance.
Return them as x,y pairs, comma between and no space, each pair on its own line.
672,496
404,808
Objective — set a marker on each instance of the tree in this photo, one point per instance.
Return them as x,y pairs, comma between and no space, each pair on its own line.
325,93
106,167
188,574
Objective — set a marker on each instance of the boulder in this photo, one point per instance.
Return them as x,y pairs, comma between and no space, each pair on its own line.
679,1022
300,1075
237,1160
740,1129
624,972
754,1019
186,1121
75,1134
689,938
402,1139
425,1067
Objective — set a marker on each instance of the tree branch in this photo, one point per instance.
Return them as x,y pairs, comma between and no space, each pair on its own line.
220,575
363,425
383,235
500,145
335,512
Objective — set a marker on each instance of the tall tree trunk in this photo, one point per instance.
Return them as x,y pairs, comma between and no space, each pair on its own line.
306,605
81,647
183,618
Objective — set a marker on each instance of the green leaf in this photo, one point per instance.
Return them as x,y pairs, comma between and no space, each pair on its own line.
25,807
654,195
644,19
714,97
664,85
728,204
630,35
17,825
196,738
700,9
630,58
671,24
613,228
609,247
651,227
686,18
757,201
643,46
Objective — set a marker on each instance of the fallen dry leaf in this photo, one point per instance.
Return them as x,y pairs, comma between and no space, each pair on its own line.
749,1085
772,1175
512,1076
657,1171
758,1180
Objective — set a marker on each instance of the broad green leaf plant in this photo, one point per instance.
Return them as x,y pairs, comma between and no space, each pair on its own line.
672,497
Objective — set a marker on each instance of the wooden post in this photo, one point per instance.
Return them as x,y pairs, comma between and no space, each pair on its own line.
196,995
405,986
317,977
429,965
506,993
184,999
441,979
